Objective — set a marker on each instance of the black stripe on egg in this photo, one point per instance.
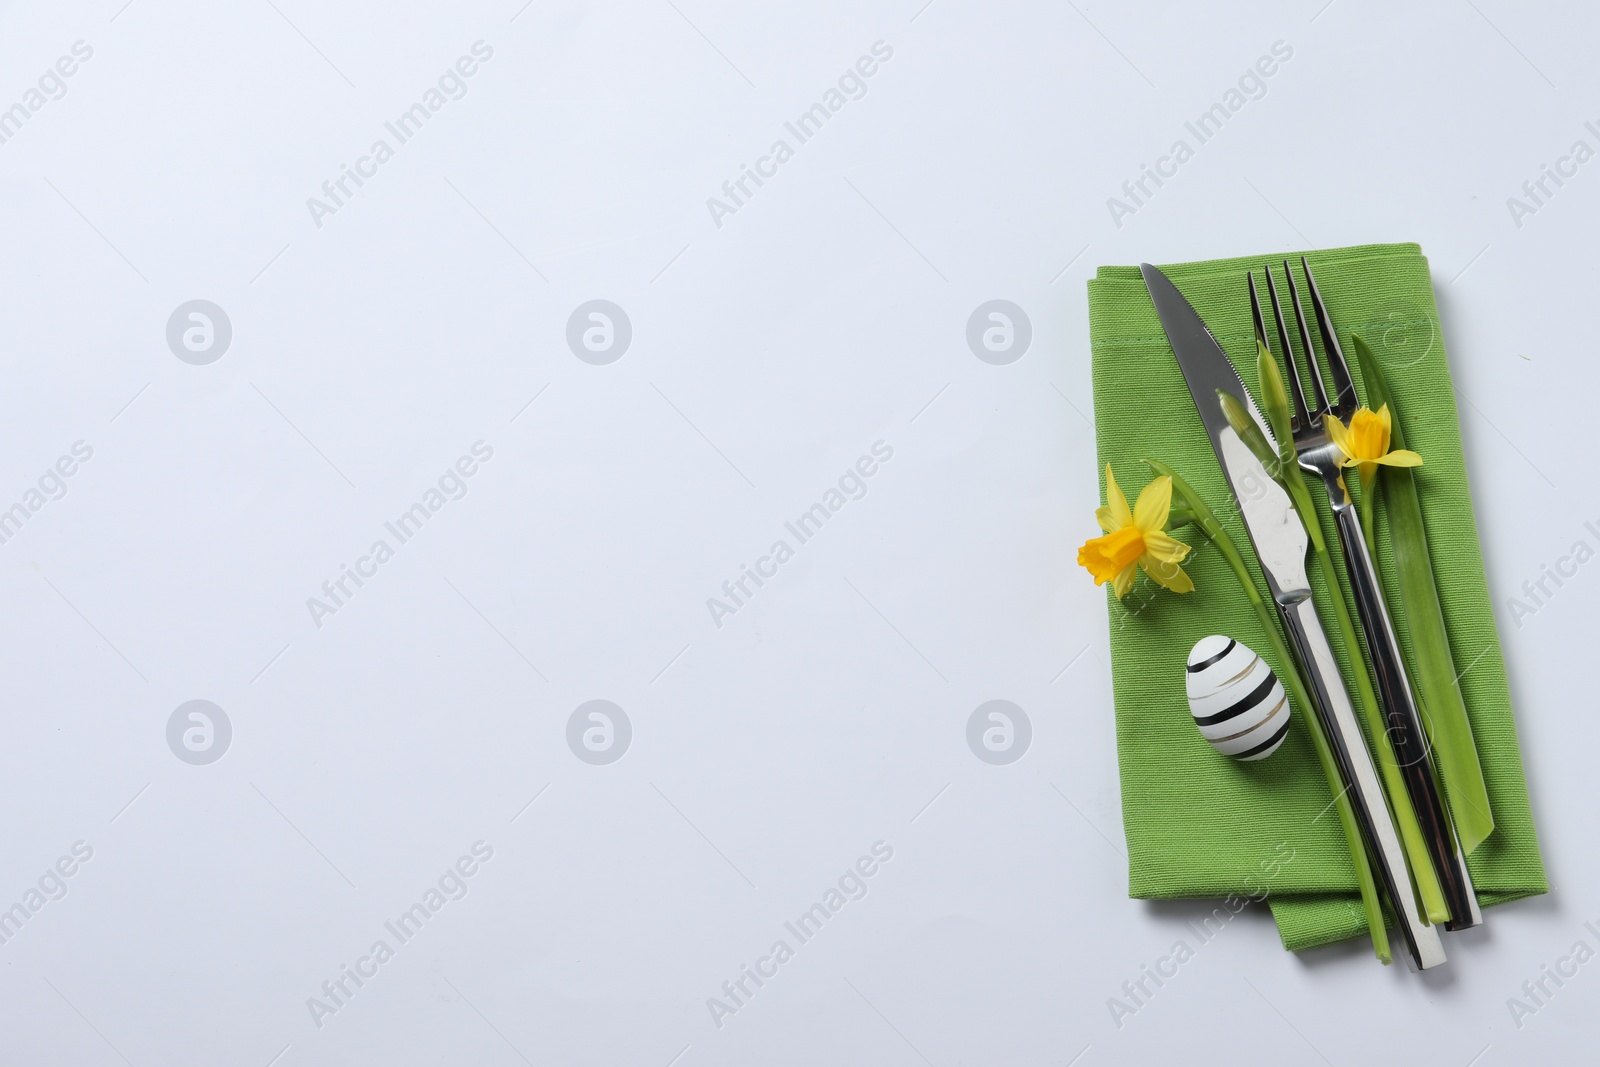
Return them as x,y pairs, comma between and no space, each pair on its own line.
1238,704
1269,746
1196,668
1265,720
1245,703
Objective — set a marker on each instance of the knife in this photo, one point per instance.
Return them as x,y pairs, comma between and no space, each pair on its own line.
1280,542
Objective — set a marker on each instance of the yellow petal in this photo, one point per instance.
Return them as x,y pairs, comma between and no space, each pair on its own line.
1124,581
1340,435
1167,575
1163,547
1155,501
1400,457
1102,515
1117,502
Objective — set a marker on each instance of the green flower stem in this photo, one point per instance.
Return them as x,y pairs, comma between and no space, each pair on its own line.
1202,517
1368,506
1434,676
1276,399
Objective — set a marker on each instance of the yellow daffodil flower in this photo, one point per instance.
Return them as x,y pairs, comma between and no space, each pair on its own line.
1136,538
1365,442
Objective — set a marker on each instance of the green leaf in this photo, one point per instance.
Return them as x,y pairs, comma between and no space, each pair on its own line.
1275,397
1434,673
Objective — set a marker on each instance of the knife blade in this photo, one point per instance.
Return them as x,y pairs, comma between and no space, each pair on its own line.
1280,541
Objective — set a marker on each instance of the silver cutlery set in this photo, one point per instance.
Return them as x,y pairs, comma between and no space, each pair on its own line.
1281,543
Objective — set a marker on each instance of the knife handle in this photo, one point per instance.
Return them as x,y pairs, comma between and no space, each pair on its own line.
1404,726
1360,775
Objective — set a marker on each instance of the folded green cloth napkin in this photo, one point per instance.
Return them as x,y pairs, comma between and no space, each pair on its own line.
1199,824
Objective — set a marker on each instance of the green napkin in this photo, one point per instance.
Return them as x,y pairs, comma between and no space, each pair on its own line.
1199,824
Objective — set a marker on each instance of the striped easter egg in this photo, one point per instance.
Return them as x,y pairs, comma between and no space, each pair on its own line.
1237,702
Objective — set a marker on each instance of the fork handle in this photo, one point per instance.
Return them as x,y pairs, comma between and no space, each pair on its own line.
1405,728
1350,752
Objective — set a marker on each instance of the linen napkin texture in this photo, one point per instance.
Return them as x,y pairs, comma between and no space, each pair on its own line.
1199,824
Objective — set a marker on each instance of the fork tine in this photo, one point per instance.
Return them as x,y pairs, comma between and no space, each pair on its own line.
1345,401
1312,363
1299,418
1255,311
1260,326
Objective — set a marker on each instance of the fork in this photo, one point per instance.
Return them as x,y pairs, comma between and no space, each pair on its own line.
1318,455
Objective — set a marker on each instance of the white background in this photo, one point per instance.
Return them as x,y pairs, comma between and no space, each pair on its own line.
826,314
